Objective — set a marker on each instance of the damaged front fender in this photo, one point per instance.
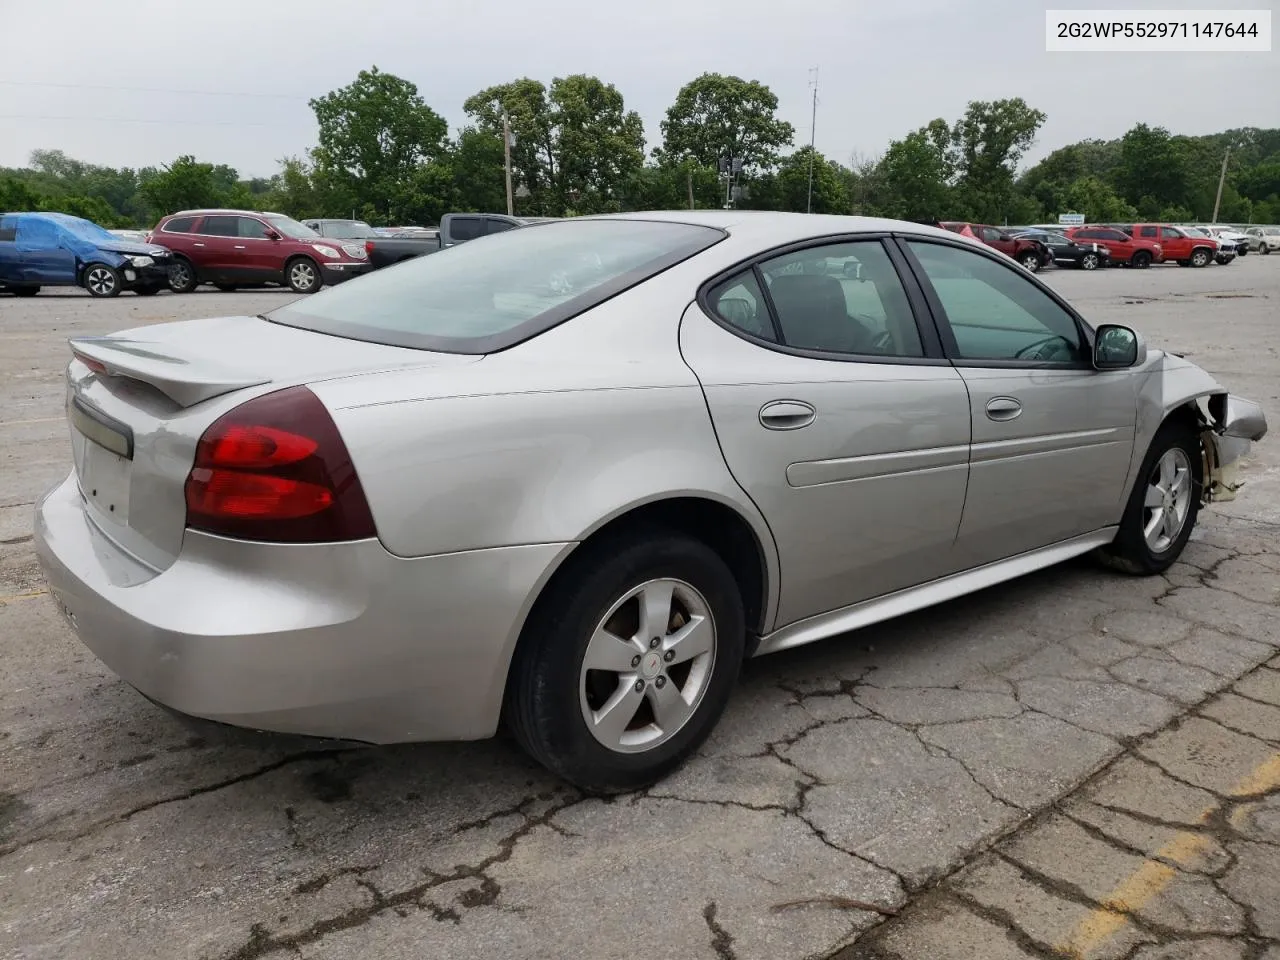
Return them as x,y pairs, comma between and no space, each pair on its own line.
1231,425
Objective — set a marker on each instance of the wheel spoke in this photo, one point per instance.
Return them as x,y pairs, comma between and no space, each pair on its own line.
607,651
1182,485
1154,524
655,610
1170,523
1154,497
694,638
619,710
1167,471
669,707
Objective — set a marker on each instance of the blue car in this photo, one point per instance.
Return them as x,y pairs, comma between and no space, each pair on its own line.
56,250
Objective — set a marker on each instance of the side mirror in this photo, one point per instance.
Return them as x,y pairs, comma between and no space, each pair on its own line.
1117,348
272,235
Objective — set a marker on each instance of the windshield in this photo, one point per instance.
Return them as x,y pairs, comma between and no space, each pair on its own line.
86,230
349,230
495,291
292,228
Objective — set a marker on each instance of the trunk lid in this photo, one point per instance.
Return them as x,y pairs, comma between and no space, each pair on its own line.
139,400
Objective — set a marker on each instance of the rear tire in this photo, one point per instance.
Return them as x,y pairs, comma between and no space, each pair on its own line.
101,280
1168,487
302,274
559,707
183,277
1141,259
1264,250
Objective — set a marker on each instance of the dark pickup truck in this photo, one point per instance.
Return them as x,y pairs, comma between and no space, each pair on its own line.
382,251
455,228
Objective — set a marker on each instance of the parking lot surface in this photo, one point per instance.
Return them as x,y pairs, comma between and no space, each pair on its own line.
1076,764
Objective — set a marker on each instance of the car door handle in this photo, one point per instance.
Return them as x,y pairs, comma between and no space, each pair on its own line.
786,415
239,246
1003,408
197,244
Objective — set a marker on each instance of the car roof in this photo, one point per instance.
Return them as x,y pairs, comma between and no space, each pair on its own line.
774,228
223,210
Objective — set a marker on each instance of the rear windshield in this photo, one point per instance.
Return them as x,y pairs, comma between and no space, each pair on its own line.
348,230
496,291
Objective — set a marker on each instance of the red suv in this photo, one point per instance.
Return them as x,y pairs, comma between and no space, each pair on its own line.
1031,253
1178,245
1135,251
231,247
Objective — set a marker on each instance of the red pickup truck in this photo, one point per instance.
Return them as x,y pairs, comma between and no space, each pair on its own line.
1135,251
1032,254
1183,248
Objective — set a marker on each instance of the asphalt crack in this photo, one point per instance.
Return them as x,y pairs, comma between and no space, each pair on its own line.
721,940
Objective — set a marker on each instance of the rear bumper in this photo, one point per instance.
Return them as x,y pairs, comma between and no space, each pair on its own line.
342,641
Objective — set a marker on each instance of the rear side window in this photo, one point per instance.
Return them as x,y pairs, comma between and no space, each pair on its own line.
739,302
220,226
466,228
179,225
1148,233
476,298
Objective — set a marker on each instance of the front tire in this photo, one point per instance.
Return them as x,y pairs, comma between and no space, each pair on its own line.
1141,260
101,280
1163,506
302,275
1089,261
183,277
1030,261
627,662
1200,258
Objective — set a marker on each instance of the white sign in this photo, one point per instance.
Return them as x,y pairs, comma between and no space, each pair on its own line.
1070,219
1157,31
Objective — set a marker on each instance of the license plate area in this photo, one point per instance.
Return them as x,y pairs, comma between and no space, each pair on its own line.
103,451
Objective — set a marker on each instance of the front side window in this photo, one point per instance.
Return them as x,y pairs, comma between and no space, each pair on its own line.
990,234
996,313
251,228
842,298
475,298
1169,233
1149,232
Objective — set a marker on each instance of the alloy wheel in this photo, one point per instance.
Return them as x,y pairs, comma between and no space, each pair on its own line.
302,276
1090,262
100,281
647,665
1168,500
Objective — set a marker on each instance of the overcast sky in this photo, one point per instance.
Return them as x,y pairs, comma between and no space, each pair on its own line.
229,81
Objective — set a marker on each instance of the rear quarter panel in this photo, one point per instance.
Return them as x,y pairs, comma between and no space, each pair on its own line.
547,441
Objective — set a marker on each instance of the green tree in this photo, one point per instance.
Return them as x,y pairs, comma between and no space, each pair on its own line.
987,143
716,115
1096,200
914,175
1151,166
374,134
183,185
16,196
788,187
90,208
479,180
576,145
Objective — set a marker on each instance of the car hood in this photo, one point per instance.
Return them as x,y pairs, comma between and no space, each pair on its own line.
132,248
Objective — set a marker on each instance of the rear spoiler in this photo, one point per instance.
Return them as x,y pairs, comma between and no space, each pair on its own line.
183,381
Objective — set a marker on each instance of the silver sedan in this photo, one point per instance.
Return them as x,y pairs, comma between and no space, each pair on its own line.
570,476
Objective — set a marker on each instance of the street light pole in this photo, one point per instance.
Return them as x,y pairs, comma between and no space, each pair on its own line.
506,162
813,131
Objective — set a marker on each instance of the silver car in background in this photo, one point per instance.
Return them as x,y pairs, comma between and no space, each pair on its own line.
570,476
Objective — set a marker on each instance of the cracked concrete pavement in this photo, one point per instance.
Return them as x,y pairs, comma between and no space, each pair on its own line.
1074,764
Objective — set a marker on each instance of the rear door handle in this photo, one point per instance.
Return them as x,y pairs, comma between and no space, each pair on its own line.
786,415
1003,408
197,244
239,246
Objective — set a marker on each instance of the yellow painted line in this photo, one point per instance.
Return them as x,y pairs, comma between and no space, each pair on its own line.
13,598
17,423
1146,883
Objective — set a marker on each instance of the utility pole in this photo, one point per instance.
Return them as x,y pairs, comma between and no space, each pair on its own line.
688,182
1222,178
813,130
506,161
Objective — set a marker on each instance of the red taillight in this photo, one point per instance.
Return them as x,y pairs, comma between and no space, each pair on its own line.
92,364
276,468
368,248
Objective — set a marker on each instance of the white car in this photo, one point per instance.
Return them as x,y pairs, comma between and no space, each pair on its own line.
1264,239
1228,235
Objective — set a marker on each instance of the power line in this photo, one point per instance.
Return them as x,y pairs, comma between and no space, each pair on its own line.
81,119
189,93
